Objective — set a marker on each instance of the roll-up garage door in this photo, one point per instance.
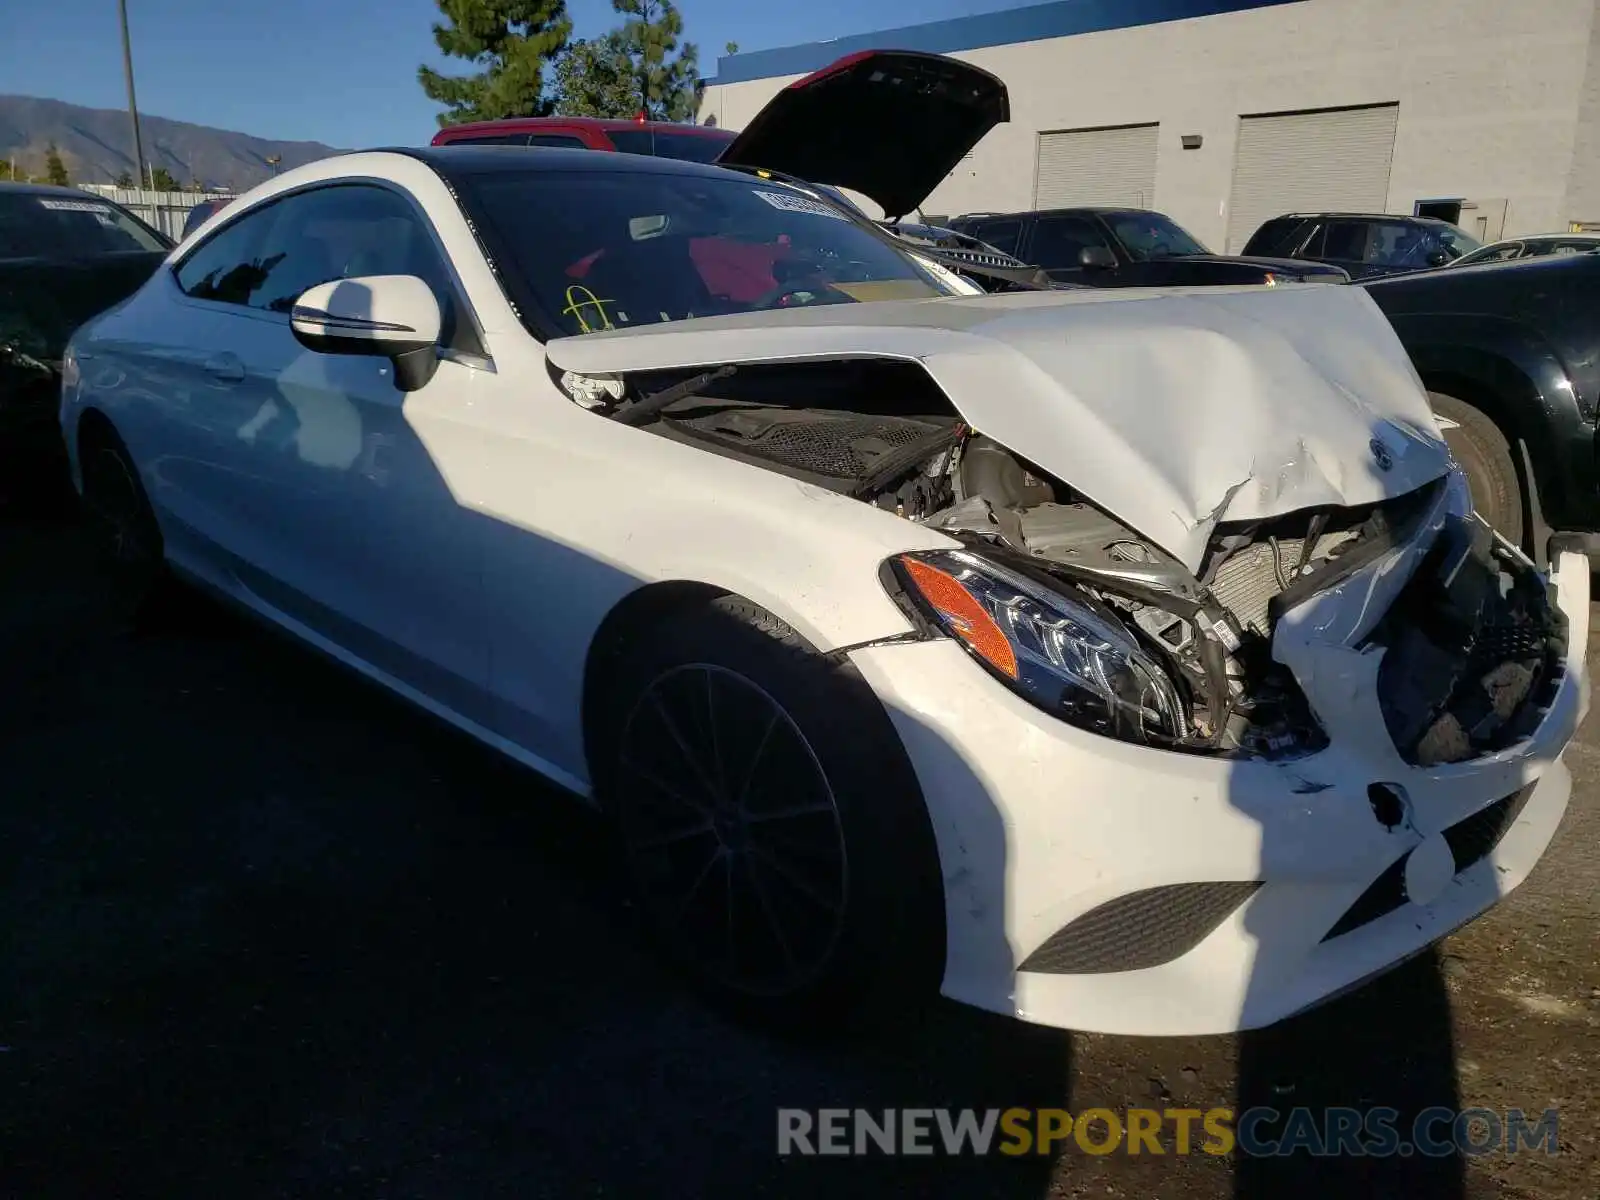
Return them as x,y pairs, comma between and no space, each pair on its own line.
1097,166
1331,161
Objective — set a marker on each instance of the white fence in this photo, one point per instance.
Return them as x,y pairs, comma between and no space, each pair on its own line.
164,210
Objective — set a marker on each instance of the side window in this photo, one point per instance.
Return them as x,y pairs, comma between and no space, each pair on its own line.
1002,235
1502,253
226,267
1393,244
1057,241
490,139
337,232
1346,240
564,140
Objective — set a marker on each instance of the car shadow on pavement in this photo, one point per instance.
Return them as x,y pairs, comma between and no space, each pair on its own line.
1388,1045
1308,1086
273,933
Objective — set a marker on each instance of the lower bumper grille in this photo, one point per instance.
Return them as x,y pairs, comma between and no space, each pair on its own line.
1141,929
1471,840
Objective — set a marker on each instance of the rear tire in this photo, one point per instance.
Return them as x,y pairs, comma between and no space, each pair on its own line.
769,822
1486,457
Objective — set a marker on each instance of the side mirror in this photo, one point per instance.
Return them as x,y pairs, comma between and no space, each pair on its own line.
385,316
1437,258
1097,258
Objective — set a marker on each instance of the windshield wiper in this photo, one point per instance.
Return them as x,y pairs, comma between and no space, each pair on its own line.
650,405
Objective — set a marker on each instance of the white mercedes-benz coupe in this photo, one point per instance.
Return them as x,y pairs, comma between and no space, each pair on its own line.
1126,661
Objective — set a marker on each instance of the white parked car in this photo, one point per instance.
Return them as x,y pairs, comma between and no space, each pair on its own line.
1126,661
1536,246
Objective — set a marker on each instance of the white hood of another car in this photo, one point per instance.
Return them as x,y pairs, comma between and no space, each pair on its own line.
1172,409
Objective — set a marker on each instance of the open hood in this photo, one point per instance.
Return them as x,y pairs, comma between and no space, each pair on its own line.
890,124
1172,410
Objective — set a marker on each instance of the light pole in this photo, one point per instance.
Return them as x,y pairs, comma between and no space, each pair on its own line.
133,104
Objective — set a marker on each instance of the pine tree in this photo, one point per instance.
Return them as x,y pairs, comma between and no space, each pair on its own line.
511,41
124,179
666,75
595,78
163,180
55,171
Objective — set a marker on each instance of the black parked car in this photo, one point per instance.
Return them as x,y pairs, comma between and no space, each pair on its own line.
1510,354
1364,244
951,244
1125,247
65,255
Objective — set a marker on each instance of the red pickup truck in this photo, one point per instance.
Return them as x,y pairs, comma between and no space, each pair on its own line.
664,139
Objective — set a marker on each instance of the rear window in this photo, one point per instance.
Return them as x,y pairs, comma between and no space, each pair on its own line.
663,143
51,226
1279,237
609,250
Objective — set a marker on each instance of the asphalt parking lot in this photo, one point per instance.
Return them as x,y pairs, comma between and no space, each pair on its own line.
270,933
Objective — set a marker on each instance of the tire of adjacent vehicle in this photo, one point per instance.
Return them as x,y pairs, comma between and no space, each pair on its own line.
1486,457
770,824
121,520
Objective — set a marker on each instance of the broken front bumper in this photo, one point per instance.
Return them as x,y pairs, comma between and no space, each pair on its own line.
1098,885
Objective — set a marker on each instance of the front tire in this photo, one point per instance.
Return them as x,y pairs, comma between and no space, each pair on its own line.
1486,457
122,524
769,822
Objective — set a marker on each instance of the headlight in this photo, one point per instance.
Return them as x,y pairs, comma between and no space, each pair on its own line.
1067,656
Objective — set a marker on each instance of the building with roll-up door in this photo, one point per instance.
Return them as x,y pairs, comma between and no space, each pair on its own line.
1223,113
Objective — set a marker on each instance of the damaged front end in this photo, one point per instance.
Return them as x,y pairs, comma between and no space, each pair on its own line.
1093,621
1474,650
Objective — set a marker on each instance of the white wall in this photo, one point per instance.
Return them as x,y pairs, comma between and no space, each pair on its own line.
1489,92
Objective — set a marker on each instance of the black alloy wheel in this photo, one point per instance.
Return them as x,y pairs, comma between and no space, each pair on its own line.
732,831
769,821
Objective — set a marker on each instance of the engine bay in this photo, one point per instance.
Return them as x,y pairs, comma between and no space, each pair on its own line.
882,433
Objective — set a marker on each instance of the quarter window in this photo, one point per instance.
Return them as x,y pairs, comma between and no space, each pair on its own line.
268,257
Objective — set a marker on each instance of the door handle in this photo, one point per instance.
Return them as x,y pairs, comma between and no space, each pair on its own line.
225,368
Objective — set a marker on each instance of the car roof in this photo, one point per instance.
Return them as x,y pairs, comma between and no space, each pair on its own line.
1098,210
1550,237
478,160
1361,216
531,124
45,189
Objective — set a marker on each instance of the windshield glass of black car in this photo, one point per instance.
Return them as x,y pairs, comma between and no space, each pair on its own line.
48,225
1149,235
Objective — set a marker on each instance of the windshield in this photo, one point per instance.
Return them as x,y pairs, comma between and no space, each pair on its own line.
1456,241
590,251
47,225
1149,235
663,143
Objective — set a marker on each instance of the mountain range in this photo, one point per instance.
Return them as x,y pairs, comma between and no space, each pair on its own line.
96,145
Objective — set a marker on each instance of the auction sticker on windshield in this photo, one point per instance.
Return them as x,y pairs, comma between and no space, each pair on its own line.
73,206
800,204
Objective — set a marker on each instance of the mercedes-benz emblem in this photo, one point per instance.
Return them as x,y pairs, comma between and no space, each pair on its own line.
1381,455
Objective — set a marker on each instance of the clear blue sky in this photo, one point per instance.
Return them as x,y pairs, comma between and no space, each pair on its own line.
342,71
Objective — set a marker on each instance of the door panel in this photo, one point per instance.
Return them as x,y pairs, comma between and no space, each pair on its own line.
305,473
